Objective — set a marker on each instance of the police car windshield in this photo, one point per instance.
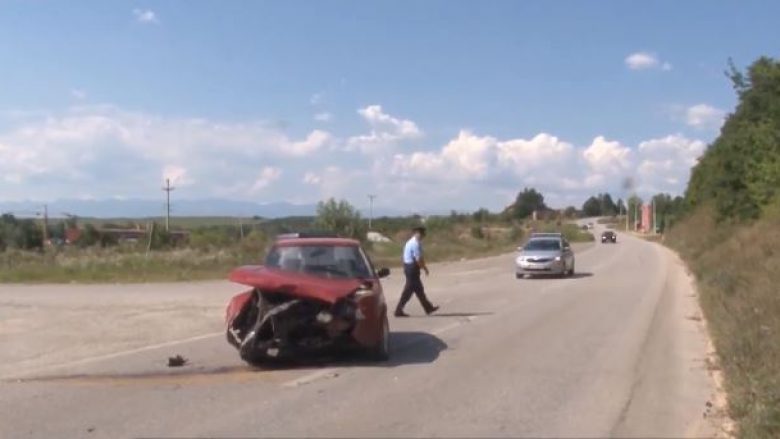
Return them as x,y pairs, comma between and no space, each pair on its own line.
543,245
320,260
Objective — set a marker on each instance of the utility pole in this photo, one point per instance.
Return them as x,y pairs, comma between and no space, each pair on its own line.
655,218
636,217
627,207
370,209
45,224
168,190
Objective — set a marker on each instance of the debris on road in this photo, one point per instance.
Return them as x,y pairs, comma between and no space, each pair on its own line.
176,361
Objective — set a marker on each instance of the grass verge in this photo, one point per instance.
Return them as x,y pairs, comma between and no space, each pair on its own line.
737,268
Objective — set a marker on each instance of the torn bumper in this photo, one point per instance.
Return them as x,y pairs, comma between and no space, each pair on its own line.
275,326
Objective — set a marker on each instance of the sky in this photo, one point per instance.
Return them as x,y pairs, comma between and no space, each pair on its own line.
432,105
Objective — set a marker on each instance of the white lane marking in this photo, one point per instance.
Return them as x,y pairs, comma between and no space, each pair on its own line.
311,377
113,355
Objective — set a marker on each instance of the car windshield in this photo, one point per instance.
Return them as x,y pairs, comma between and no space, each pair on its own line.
543,244
320,260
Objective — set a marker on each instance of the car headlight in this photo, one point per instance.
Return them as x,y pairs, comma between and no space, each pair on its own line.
557,259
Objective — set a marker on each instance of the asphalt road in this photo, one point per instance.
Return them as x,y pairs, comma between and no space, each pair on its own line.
617,350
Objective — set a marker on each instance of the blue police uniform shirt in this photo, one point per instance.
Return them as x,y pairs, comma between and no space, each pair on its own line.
412,251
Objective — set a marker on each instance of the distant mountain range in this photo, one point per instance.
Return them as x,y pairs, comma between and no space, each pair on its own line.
141,208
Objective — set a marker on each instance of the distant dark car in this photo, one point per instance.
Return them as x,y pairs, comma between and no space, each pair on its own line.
608,236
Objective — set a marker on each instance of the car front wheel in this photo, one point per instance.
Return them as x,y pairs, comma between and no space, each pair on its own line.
381,352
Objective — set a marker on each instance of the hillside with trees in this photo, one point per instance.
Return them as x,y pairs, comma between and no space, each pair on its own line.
730,237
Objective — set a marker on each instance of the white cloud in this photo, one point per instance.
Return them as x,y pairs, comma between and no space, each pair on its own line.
607,156
78,94
467,156
386,130
145,16
177,175
315,140
317,98
704,116
377,118
343,182
311,178
550,164
665,162
267,176
470,154
90,144
645,61
543,150
323,117
114,151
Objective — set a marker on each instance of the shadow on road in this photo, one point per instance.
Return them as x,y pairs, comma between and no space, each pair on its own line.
457,314
406,347
580,275
549,277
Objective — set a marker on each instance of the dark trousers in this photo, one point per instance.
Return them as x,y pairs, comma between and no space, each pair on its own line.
413,285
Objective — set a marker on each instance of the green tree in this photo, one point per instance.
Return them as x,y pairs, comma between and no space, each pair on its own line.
739,174
608,206
482,215
19,233
89,236
341,218
526,203
591,207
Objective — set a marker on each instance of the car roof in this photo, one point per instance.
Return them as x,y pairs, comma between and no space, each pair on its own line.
546,235
327,242
545,238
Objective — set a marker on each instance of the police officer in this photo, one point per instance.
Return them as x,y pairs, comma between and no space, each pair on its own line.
413,263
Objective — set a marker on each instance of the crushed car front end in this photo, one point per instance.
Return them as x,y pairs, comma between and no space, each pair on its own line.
267,323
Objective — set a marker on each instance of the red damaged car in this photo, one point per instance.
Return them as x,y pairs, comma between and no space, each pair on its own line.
312,293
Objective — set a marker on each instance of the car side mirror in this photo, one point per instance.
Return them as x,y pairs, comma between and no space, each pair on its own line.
383,272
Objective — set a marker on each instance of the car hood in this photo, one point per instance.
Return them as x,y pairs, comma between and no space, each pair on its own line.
539,253
300,285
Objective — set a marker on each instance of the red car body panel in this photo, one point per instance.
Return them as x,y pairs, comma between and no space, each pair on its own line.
301,285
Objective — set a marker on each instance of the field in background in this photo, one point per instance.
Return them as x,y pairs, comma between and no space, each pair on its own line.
737,268
177,223
217,245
